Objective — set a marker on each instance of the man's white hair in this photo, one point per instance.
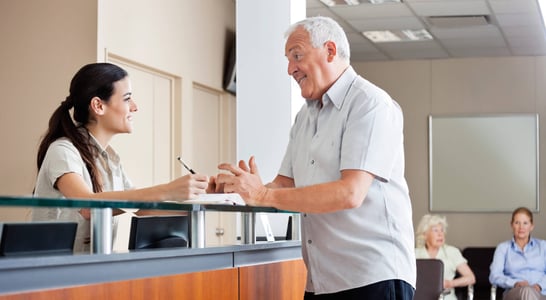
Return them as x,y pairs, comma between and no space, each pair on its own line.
321,30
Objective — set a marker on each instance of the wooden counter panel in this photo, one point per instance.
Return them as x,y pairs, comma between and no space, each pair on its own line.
219,284
283,280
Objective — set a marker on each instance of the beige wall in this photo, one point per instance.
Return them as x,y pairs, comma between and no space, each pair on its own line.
42,46
185,38
470,86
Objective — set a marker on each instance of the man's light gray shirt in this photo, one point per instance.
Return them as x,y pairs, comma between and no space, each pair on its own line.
359,127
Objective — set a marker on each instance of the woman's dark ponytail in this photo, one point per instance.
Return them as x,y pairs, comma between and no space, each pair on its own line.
92,80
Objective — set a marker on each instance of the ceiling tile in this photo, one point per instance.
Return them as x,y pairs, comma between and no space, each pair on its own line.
387,23
364,11
527,42
474,43
358,38
467,32
532,19
421,54
525,31
322,11
367,56
438,1
452,8
513,6
480,52
516,28
313,3
409,45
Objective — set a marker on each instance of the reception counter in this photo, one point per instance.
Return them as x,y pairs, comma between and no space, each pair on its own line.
57,276
268,270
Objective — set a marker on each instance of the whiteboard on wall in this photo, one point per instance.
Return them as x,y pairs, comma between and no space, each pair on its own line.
485,163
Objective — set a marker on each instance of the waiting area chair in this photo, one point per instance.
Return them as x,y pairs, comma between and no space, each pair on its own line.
37,238
430,279
479,259
152,232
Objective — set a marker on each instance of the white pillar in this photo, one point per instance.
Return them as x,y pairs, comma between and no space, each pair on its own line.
265,92
264,89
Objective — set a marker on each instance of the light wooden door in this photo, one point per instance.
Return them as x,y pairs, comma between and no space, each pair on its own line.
213,143
147,153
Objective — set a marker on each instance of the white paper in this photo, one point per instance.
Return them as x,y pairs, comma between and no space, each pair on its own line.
227,199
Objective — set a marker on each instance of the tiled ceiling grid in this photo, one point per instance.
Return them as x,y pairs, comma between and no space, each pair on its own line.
460,28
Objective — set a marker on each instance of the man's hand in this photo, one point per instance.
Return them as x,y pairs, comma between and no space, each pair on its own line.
244,180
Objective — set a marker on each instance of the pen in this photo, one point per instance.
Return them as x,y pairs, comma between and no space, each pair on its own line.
185,166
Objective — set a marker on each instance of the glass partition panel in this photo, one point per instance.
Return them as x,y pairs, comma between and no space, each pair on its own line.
91,203
101,215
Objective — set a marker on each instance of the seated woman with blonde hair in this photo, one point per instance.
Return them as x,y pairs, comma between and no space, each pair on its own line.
430,242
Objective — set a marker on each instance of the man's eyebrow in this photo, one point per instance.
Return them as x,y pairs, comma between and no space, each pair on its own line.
127,94
295,48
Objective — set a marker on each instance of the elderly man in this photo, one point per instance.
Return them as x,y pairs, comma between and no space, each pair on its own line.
343,170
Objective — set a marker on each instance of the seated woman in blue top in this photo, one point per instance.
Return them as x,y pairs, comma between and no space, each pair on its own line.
430,242
519,264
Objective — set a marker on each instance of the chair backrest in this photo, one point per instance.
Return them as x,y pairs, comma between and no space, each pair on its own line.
430,279
479,260
37,238
148,232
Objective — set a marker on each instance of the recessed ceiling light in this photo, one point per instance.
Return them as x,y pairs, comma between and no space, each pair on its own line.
387,36
381,36
418,35
383,1
356,2
340,2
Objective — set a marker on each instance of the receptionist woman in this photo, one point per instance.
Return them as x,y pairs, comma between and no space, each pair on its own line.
75,159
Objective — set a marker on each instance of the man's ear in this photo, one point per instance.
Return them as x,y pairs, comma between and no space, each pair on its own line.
332,50
97,106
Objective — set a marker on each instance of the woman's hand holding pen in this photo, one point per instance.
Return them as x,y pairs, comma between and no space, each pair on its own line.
190,186
186,187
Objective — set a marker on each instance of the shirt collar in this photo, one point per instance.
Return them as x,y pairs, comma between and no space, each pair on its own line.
95,142
337,92
531,243
109,151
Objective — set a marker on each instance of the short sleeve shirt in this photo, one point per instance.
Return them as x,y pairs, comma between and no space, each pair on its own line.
358,127
61,158
512,264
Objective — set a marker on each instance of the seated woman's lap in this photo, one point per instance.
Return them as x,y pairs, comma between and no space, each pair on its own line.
523,293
